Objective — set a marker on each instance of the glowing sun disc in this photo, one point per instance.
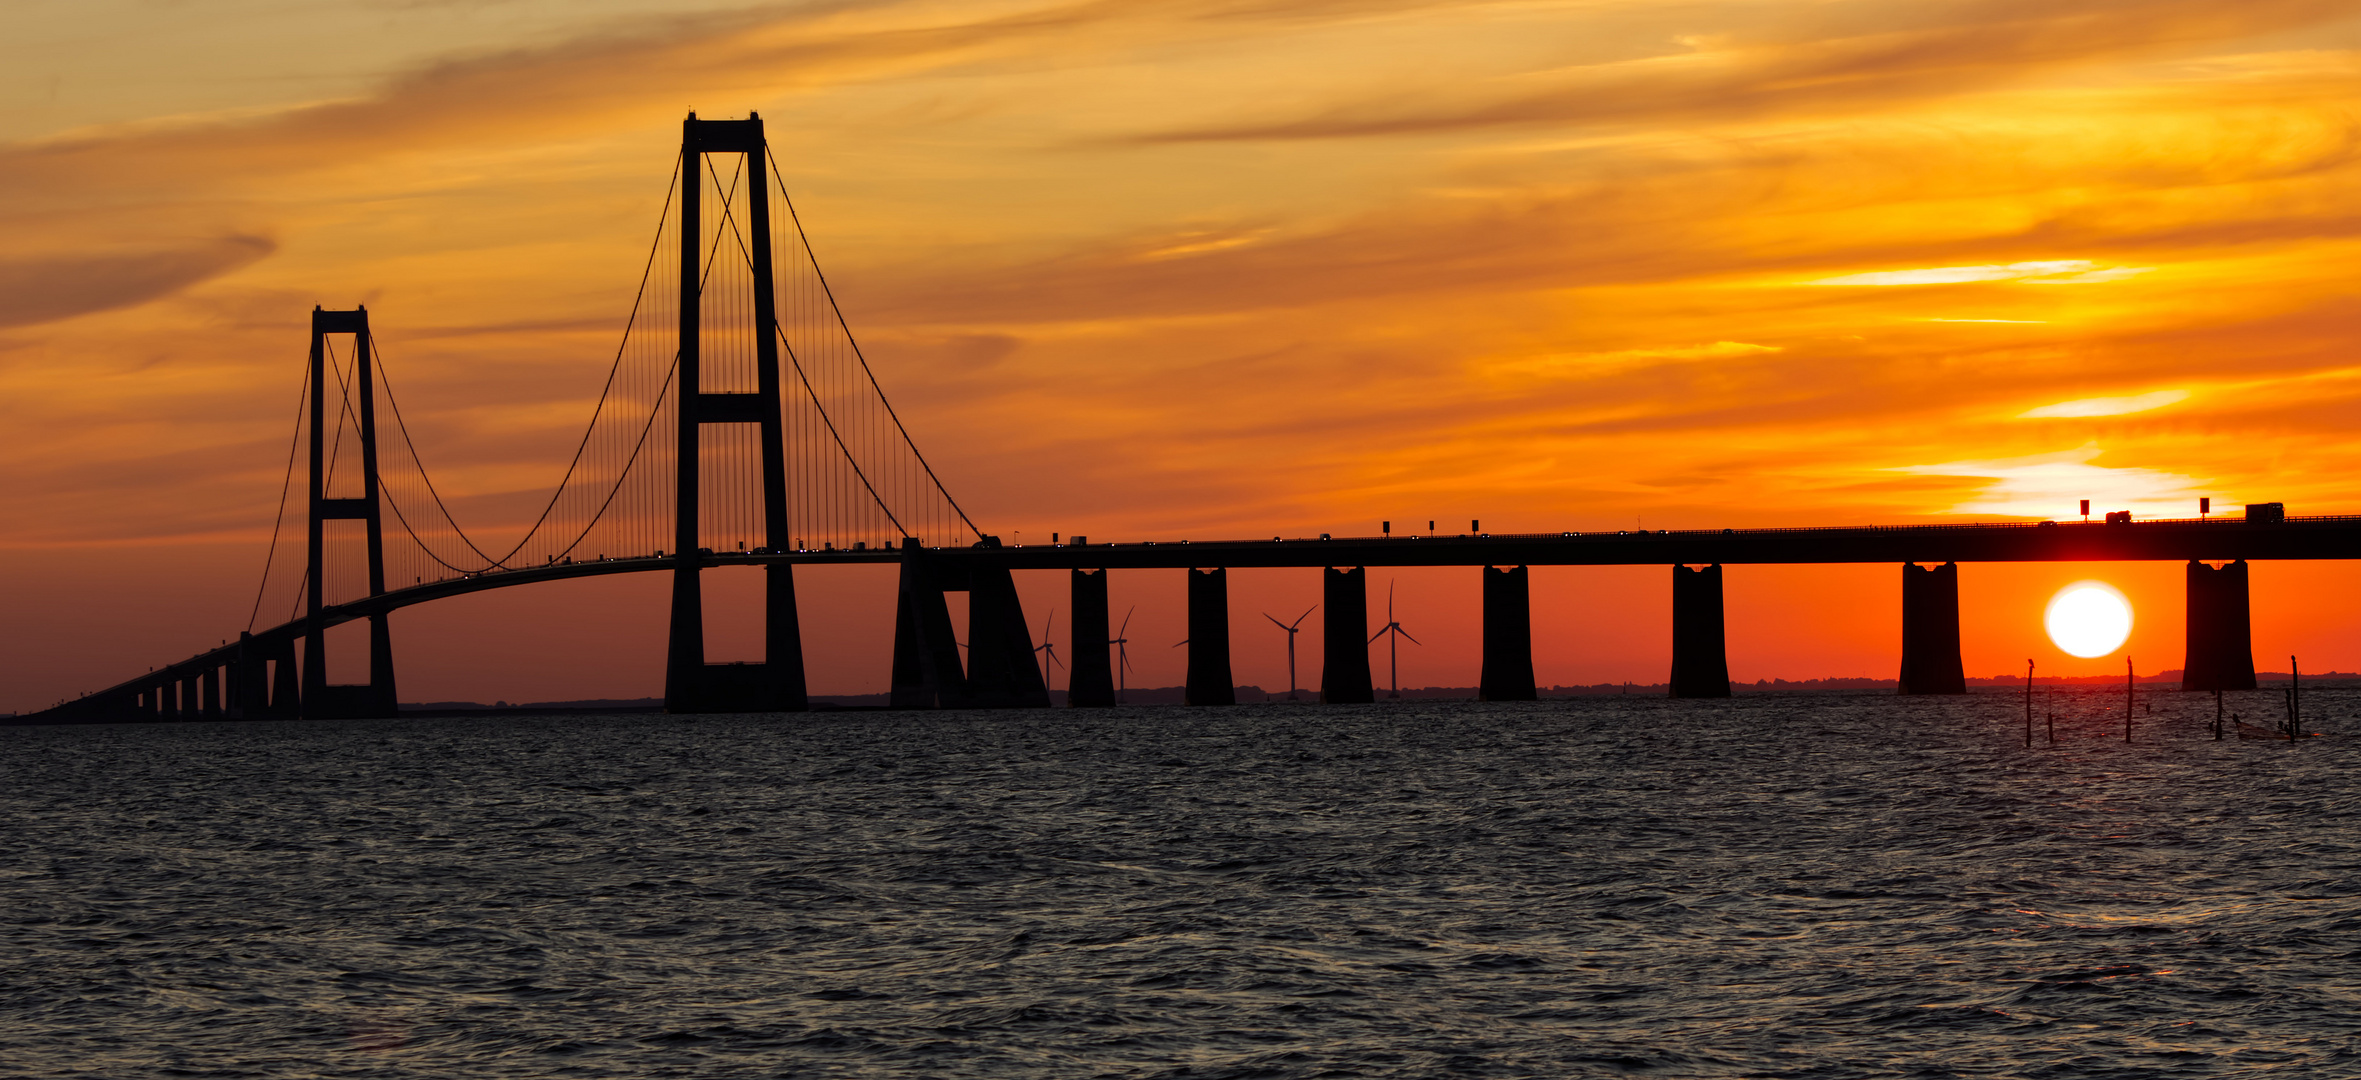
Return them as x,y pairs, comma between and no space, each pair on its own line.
2088,618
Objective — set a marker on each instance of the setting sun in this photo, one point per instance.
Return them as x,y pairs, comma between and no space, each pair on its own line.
2088,619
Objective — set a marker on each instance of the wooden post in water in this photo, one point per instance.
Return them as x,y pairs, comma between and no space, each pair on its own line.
2049,711
2130,687
2028,703
2217,714
2296,698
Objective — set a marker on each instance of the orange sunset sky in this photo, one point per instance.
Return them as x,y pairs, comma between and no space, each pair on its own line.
1222,268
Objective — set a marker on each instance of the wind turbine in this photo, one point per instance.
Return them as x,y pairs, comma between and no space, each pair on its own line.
1123,659
1048,649
1291,629
1393,647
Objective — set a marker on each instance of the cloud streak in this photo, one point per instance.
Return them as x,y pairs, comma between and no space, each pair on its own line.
1863,58
41,290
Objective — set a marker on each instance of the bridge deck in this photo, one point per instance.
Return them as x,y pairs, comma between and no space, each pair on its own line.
2176,540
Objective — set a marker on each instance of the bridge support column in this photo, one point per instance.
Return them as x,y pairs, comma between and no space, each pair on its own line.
1090,683
1209,639
927,672
1344,637
1700,662
209,693
286,701
782,639
2220,629
1508,636
1930,630
250,681
1002,668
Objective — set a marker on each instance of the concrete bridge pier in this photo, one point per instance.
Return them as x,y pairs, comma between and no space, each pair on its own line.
1209,639
784,689
1090,678
1930,630
1508,636
2220,629
1344,632
927,672
1003,671
1700,662
249,676
286,701
249,695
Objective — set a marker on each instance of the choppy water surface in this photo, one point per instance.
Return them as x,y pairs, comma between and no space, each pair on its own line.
1772,886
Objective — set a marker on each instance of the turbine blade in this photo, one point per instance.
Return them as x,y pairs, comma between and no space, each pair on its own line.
1126,627
1307,613
1373,637
1277,623
1406,633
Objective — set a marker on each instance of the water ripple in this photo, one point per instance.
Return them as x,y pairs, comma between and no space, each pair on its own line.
1774,886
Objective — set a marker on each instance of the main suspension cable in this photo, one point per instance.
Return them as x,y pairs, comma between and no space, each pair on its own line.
813,259
672,188
732,222
302,397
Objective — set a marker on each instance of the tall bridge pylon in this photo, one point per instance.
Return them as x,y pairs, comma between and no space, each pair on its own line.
690,684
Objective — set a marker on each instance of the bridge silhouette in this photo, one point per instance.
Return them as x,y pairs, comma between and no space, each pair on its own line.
740,425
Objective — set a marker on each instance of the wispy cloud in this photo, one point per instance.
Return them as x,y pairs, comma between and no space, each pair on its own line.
2107,406
1594,364
2048,272
2052,485
40,290
1842,57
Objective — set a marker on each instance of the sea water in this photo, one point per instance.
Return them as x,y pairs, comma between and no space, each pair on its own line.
1768,886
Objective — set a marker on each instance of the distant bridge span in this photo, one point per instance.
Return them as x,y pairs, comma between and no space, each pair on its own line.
737,372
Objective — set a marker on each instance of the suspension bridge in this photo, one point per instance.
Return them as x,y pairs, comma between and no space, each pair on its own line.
740,425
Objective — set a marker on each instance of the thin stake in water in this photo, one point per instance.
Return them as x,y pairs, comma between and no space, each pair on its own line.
2130,686
2028,703
2295,699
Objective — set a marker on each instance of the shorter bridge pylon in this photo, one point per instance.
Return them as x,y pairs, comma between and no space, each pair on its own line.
320,698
